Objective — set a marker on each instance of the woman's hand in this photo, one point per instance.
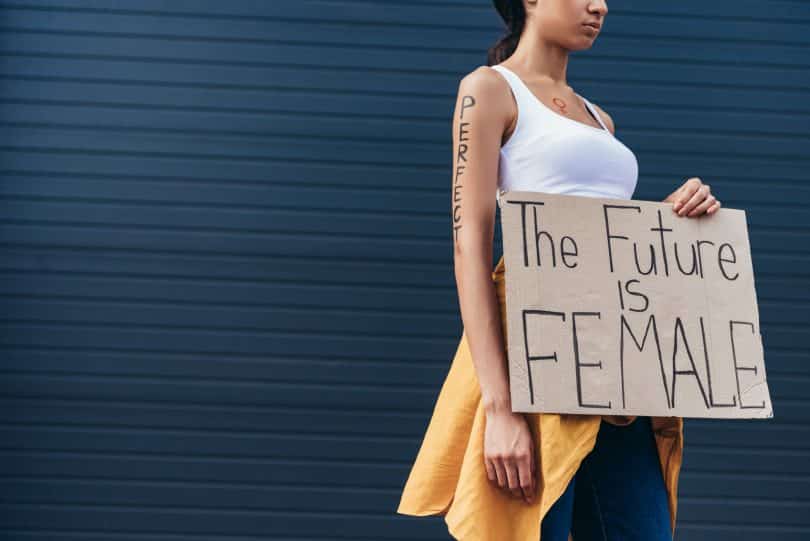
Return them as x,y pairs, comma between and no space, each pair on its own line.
693,199
509,454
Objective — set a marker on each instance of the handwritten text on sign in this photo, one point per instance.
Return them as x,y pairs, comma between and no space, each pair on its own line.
621,307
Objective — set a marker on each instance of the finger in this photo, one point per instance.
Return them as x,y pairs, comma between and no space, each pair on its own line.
695,182
714,208
690,185
693,201
514,478
491,475
500,472
526,483
683,195
702,207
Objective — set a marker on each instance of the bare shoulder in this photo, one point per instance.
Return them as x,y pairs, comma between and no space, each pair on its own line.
485,85
606,118
484,79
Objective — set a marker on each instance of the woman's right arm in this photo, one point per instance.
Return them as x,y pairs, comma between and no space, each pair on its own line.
483,111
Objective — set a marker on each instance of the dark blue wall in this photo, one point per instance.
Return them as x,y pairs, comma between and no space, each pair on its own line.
227,291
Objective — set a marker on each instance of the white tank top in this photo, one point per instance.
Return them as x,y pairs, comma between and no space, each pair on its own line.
549,152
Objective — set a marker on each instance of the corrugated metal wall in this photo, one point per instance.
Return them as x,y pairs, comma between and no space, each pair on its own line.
227,295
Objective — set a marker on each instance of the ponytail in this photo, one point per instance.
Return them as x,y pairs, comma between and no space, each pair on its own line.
514,15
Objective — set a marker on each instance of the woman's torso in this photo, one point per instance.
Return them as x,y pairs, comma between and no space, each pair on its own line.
552,153
549,152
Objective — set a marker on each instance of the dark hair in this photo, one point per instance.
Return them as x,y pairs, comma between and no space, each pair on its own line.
514,15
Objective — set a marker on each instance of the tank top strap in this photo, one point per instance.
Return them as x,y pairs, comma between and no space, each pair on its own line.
592,109
521,99
514,83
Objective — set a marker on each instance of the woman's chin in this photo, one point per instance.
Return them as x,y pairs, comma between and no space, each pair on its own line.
583,45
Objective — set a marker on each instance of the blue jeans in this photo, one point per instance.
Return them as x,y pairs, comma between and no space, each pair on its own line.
618,492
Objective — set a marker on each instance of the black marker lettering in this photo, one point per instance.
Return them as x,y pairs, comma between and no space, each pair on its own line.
529,357
461,159
720,260
579,364
709,373
650,325
679,331
737,367
607,229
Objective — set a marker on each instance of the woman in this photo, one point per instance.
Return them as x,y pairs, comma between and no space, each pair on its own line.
494,474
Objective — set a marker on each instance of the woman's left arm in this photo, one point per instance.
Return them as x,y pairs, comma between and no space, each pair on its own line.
693,199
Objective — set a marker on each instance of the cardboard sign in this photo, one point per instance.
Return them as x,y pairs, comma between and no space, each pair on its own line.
622,307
